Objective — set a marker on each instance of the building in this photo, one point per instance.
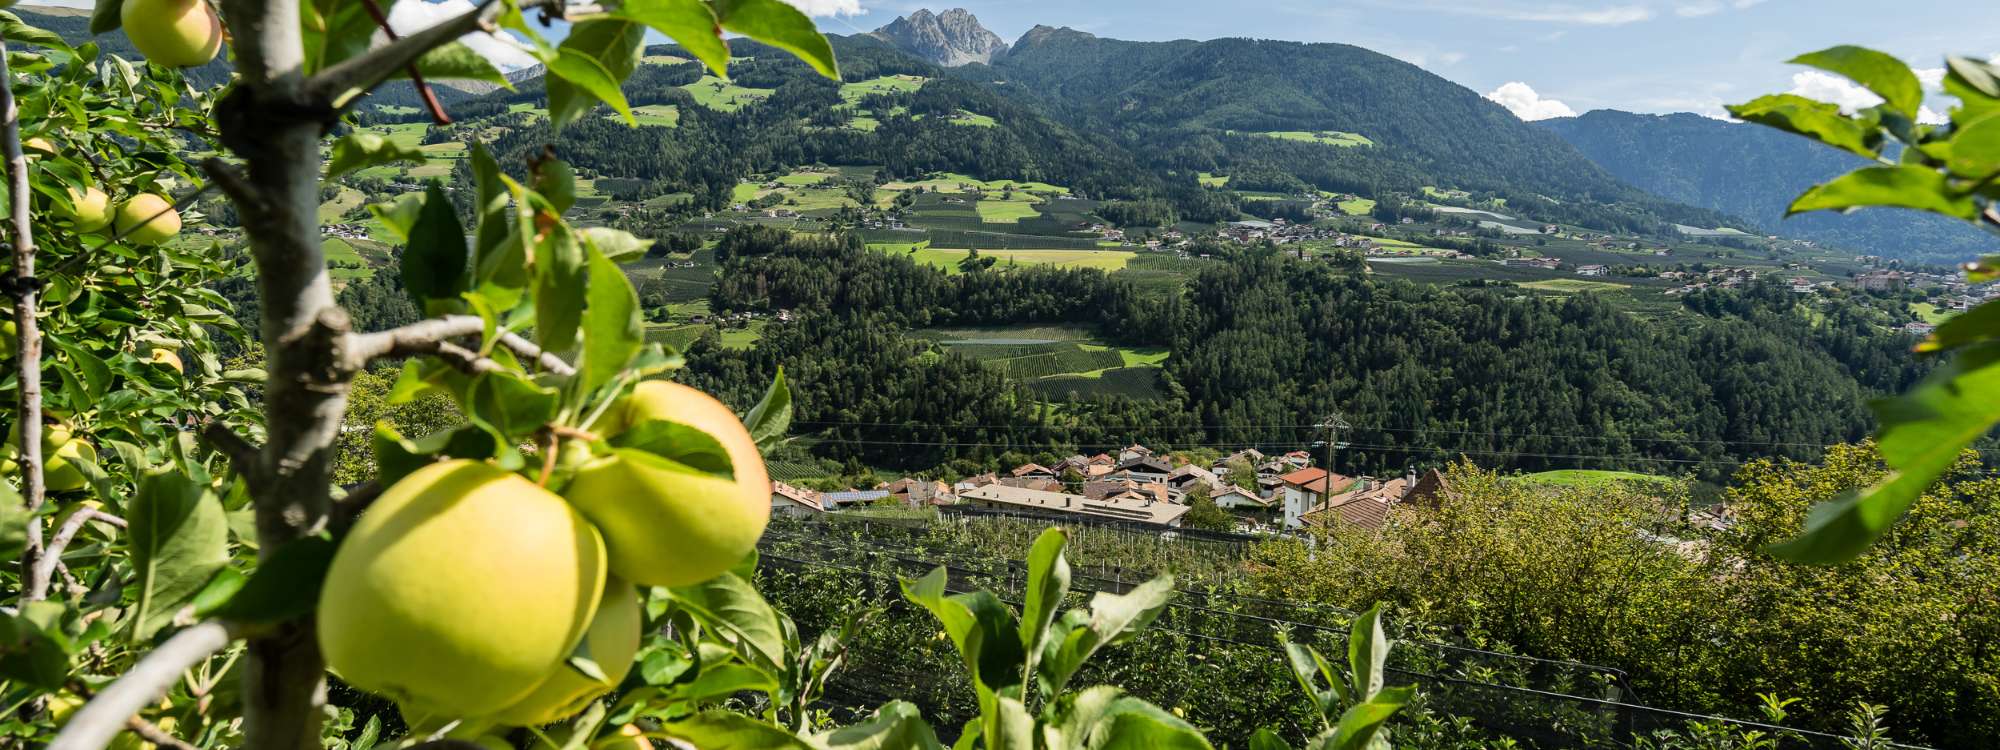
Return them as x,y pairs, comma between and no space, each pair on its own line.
787,500
1364,506
1593,270
1304,489
1881,281
919,493
1129,507
851,498
1143,468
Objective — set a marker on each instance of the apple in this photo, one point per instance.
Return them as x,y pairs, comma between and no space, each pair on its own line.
635,735
148,219
164,356
38,143
459,591
10,339
60,451
612,641
664,524
174,33
90,210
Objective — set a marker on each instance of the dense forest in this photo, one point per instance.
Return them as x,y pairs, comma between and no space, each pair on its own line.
1265,345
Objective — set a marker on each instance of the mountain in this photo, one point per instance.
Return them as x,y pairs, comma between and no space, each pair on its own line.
1755,172
1194,102
951,38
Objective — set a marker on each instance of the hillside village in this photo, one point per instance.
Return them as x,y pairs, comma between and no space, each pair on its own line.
1138,486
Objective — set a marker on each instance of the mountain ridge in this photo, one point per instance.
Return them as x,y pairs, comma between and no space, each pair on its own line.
952,38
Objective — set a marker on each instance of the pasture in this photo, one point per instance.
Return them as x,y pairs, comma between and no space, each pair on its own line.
1575,286
1322,137
1057,360
717,94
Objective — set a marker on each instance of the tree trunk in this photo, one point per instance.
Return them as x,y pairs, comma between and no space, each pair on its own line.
267,123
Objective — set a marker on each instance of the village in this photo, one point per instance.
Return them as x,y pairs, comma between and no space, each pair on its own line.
1138,486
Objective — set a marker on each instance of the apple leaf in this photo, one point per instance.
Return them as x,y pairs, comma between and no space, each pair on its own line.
179,538
364,149
1813,119
777,23
772,416
1919,188
725,729
681,444
1878,72
435,261
284,586
561,271
612,331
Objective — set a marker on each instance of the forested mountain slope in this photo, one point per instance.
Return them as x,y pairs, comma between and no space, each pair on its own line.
1755,172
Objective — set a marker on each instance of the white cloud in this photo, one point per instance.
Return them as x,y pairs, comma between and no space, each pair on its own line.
411,17
1833,89
1451,58
818,8
1698,10
1581,14
1521,99
1931,78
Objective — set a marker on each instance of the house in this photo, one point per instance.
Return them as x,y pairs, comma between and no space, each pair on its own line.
1250,456
1304,489
1547,263
1593,270
1103,460
1125,509
1025,471
919,493
1144,468
1297,459
851,498
787,500
1365,506
980,480
1134,451
1185,477
1880,281
1919,328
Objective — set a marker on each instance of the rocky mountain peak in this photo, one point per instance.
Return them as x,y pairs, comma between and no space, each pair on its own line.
951,38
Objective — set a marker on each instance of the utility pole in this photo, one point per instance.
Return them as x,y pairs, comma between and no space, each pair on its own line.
1333,424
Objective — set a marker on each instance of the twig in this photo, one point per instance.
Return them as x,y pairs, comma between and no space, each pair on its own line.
27,331
423,89
150,733
242,455
351,506
344,83
45,565
98,721
425,337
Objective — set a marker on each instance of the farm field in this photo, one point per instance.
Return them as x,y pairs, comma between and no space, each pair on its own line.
1579,286
897,84
657,115
1056,360
952,182
996,211
947,259
717,94
1356,206
1210,180
1322,137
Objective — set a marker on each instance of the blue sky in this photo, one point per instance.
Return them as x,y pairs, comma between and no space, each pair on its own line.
1637,55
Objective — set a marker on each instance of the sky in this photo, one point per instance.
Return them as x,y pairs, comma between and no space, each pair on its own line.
1539,58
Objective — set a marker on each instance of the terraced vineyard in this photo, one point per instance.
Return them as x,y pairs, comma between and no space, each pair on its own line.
1059,361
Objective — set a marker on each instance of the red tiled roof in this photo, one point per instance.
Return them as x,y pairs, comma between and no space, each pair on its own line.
1311,479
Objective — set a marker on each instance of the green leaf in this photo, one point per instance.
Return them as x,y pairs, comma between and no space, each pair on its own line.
724,730
14,30
285,585
722,681
617,244
590,67
1817,120
107,16
1881,73
511,404
490,210
1359,725
399,215
397,456
1977,86
612,330
14,518
691,23
1367,651
780,25
1114,618
434,263
561,272
1047,584
772,416
455,61
1978,324
1267,739
363,149
897,725
1918,188
729,604
29,653
1133,724
179,538
684,445
1975,149
1310,669
979,625
1921,435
